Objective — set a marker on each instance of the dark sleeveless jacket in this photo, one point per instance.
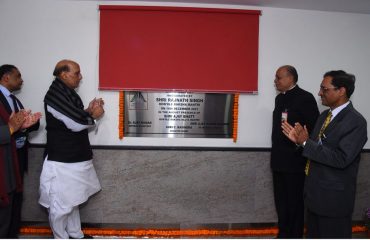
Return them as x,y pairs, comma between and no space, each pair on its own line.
64,145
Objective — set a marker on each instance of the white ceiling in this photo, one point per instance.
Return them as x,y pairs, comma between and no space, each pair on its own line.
351,6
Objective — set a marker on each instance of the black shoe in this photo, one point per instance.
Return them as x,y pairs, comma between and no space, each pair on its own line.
88,237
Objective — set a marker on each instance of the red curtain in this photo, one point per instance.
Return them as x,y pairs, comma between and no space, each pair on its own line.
178,49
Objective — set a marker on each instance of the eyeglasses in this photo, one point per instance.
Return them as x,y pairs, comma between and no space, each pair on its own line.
325,89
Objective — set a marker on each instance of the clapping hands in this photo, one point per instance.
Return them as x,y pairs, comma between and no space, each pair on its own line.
297,134
95,108
31,119
23,119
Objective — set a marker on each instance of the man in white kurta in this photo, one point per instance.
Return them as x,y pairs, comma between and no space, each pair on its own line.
59,191
68,176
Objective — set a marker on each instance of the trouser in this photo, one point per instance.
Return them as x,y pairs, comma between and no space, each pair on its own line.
288,196
16,220
328,227
65,222
5,217
15,223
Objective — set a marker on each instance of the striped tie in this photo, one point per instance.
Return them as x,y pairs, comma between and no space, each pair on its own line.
326,123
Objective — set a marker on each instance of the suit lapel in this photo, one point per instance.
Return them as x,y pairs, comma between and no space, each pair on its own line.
337,119
5,103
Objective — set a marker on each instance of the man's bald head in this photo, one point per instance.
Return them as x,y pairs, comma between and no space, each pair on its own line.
63,66
68,71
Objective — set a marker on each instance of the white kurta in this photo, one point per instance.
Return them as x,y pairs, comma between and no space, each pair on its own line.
72,183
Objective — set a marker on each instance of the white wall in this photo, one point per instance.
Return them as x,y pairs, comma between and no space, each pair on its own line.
35,34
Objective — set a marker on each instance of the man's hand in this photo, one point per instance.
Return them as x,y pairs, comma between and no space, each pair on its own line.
97,112
16,120
99,102
95,108
296,134
31,119
94,104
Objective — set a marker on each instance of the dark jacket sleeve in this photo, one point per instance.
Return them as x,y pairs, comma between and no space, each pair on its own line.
4,134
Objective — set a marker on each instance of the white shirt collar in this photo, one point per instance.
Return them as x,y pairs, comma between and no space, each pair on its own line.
7,94
337,110
289,89
5,91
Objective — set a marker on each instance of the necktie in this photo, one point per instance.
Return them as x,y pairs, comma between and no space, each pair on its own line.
15,105
326,123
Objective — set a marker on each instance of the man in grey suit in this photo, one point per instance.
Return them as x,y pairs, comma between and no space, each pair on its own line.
333,152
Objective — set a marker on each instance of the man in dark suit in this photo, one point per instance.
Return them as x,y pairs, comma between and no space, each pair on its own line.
10,180
11,81
294,105
333,150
